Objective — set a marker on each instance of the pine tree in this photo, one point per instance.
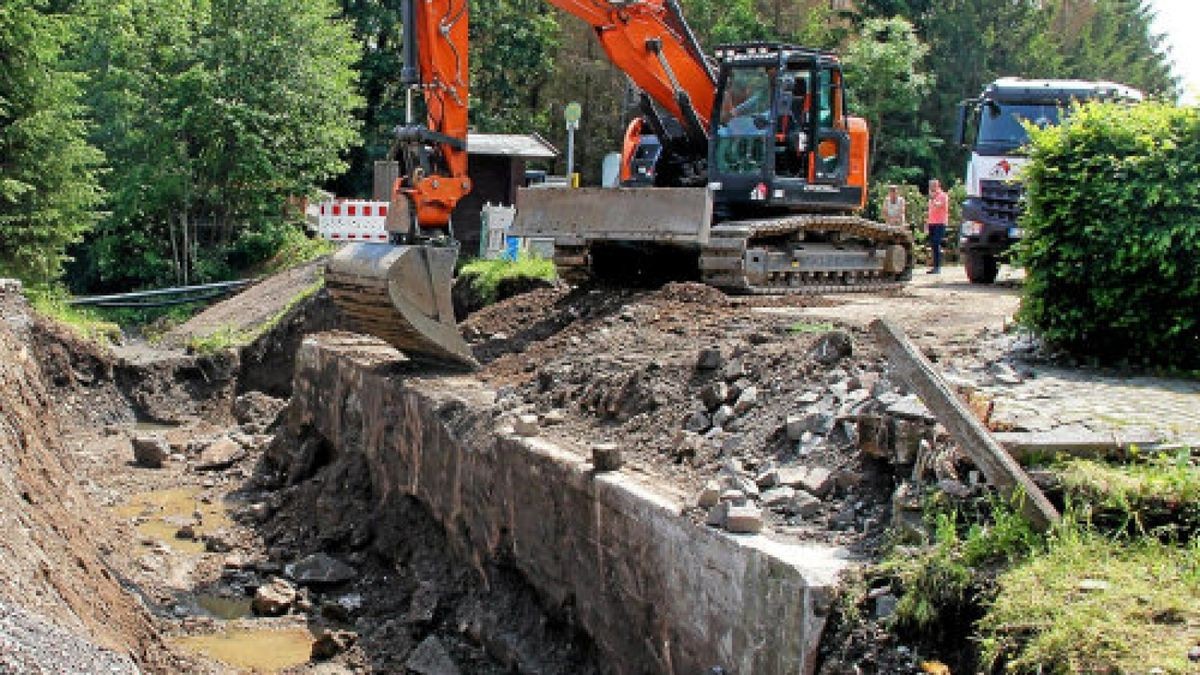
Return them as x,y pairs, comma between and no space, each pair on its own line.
48,181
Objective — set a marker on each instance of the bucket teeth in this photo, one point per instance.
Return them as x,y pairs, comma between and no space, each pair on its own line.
400,294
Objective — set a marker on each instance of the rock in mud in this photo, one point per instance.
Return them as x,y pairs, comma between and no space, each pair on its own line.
714,394
257,411
273,599
330,643
150,451
832,347
813,479
220,454
431,658
320,568
746,400
710,495
709,358
218,542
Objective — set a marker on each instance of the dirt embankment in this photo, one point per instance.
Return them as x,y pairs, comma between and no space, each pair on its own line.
63,606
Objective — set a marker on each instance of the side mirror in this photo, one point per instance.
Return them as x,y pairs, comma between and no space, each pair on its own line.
960,129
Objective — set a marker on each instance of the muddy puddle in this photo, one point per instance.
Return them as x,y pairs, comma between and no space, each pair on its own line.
224,608
253,649
159,514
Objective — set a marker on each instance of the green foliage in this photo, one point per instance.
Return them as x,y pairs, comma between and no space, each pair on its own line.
227,337
48,172
512,58
941,584
804,328
296,248
1136,613
487,275
88,323
887,82
1113,234
215,115
1158,496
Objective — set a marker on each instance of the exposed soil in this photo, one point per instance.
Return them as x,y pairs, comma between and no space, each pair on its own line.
192,545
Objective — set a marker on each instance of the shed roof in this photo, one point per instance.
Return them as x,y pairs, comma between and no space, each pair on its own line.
524,146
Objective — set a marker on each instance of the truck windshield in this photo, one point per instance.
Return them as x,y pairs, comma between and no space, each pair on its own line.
1002,124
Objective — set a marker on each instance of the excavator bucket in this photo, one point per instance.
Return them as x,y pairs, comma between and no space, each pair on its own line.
400,294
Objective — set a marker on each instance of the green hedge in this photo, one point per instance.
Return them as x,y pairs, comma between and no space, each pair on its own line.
1112,245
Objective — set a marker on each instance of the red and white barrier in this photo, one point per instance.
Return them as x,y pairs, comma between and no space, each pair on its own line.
353,220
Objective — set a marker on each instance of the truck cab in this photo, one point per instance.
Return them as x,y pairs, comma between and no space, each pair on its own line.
992,127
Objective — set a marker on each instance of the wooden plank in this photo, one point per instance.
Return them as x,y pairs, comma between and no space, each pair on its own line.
996,464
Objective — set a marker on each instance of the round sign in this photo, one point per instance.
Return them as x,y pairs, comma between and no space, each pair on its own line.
573,112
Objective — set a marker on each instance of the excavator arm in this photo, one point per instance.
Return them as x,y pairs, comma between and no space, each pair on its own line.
648,40
401,293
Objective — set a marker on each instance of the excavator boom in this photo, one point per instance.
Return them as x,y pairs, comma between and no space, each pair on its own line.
401,292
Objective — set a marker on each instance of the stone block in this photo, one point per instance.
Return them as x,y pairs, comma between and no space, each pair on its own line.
744,519
606,457
526,425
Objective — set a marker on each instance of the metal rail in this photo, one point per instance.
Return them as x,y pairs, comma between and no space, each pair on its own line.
163,297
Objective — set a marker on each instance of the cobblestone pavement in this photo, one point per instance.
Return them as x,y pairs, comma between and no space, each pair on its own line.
1139,406
963,323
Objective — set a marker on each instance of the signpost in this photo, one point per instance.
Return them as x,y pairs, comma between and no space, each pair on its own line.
571,114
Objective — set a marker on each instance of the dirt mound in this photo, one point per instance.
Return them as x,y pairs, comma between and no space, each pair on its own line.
693,292
249,310
696,387
50,534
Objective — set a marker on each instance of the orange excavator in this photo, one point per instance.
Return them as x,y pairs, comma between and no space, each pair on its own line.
743,170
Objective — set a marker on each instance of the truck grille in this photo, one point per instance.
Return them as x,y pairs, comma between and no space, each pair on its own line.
1001,200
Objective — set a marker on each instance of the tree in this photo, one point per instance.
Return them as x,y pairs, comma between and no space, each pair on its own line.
886,86
377,29
1114,41
48,181
215,114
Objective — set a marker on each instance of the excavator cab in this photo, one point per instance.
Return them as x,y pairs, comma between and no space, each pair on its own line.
781,138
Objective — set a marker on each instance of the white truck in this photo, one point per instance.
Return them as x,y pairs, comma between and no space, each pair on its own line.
992,127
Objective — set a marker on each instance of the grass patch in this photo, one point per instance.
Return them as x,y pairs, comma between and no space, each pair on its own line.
487,275
1159,496
940,584
1141,611
226,338
297,250
802,327
85,322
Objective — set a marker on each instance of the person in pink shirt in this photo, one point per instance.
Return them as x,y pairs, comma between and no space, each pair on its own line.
935,222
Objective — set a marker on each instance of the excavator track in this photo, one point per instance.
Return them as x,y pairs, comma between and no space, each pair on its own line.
762,257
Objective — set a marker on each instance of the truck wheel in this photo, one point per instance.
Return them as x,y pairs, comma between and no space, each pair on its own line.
981,267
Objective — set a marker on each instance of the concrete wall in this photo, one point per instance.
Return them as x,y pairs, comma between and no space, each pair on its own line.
657,593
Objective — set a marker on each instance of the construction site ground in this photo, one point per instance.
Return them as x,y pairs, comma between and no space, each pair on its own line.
694,387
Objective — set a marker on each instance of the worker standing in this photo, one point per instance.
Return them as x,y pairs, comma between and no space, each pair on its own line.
894,209
935,223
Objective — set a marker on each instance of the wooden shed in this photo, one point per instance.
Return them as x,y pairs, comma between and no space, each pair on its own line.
496,168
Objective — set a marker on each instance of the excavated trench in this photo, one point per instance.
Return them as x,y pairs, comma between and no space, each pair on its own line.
448,542
608,555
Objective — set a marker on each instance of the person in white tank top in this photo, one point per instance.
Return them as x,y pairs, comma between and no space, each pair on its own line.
894,212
